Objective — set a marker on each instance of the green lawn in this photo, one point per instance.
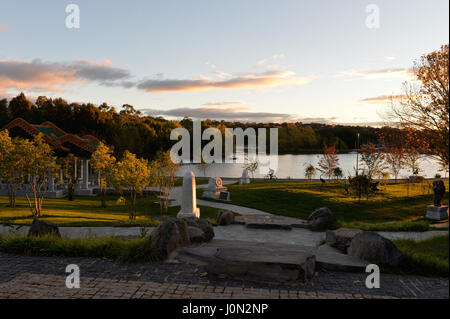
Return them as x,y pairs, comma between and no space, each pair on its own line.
394,207
428,257
86,211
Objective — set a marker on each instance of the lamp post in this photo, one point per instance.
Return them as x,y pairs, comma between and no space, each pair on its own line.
357,156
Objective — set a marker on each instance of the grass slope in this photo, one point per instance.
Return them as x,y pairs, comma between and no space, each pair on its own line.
86,211
427,257
397,206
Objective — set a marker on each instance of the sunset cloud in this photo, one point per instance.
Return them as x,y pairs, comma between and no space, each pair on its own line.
221,74
223,103
384,99
236,114
245,81
232,113
376,74
38,75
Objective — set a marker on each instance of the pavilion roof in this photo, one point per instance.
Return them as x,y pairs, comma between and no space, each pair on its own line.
57,138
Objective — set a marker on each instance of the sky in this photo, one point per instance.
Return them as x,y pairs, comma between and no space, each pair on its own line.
252,60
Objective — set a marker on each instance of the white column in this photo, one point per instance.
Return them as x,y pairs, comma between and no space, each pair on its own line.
81,170
51,183
189,198
85,176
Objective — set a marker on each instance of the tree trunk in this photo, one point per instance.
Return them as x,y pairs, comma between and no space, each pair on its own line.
103,197
12,195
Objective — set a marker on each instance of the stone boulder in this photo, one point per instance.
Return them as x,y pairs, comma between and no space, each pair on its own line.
321,219
341,238
374,248
204,225
225,217
169,236
196,235
42,228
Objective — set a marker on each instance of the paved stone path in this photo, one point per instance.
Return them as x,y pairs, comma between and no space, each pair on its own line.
44,277
33,286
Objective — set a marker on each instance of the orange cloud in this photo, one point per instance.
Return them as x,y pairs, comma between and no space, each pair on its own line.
39,75
246,81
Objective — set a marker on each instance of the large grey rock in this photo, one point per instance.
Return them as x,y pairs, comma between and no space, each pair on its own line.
169,236
204,225
225,217
341,238
196,235
332,259
321,219
253,261
42,228
372,247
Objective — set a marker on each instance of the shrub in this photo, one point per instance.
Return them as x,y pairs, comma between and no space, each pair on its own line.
360,185
101,247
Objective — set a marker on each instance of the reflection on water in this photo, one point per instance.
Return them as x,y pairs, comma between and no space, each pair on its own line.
293,166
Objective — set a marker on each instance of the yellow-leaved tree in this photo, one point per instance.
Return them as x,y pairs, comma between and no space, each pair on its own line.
163,176
103,163
40,165
131,174
14,162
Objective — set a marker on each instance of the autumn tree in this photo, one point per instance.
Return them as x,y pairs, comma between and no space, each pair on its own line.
329,160
41,164
415,144
14,155
131,174
425,104
395,160
8,169
163,176
373,159
103,163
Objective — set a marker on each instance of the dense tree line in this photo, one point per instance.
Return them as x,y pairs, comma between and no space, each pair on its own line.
142,135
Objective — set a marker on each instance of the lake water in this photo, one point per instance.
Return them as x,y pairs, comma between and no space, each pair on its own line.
293,166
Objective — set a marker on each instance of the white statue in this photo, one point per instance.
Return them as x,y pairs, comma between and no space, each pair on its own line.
244,179
189,199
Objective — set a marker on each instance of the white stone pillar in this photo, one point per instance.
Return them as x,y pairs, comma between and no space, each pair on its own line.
189,197
81,170
51,183
85,175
